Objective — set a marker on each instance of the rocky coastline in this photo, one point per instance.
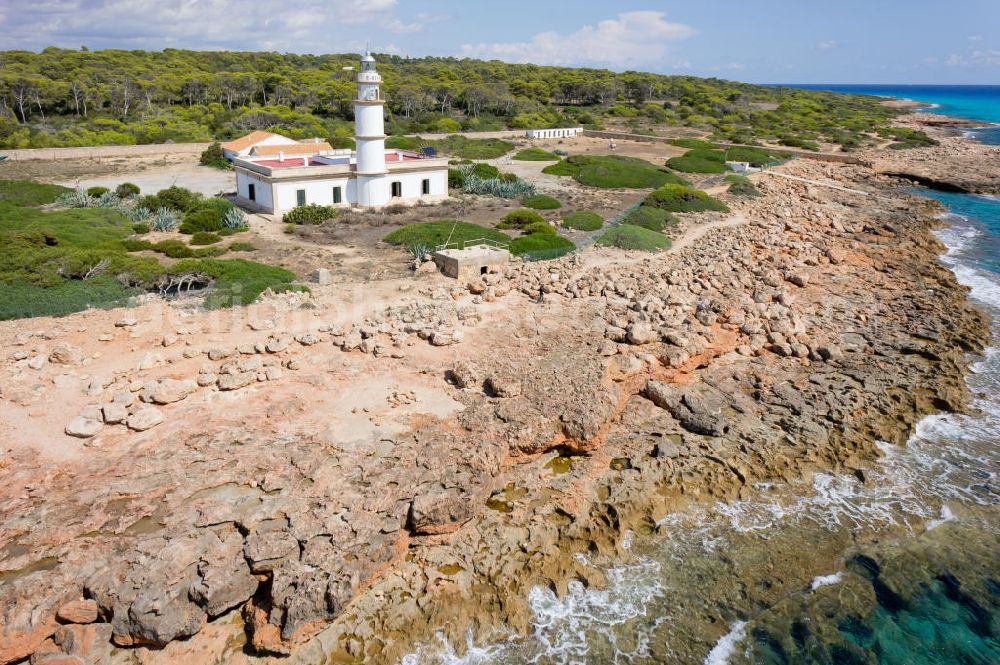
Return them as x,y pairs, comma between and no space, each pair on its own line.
573,401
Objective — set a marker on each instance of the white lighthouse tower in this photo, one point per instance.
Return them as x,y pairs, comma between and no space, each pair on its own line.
369,130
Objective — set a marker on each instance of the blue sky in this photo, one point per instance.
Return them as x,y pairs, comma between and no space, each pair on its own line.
794,41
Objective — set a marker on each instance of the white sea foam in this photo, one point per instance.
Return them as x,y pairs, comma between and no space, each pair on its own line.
727,644
826,580
946,516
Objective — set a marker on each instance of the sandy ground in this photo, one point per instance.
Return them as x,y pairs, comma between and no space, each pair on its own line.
202,179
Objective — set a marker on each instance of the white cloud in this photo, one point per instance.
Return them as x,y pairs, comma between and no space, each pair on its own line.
975,38
633,39
827,45
292,25
955,60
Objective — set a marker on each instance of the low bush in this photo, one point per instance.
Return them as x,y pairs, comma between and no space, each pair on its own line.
202,219
237,282
582,221
205,238
798,142
97,192
213,156
678,198
485,171
652,219
741,186
613,171
699,161
456,179
539,227
175,198
536,155
519,219
310,214
541,246
907,138
437,233
628,236
126,190
754,156
141,228
25,193
693,144
240,246
540,202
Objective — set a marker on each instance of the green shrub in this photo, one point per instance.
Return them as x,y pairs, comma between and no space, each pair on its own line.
241,246
699,161
536,155
742,186
485,171
467,148
539,246
907,138
539,227
613,171
628,236
582,221
798,142
205,238
652,219
754,156
690,165
97,192
693,144
235,281
25,193
175,198
678,198
540,202
435,234
175,249
202,219
310,214
519,219
136,244
141,228
126,190
456,179
21,299
213,156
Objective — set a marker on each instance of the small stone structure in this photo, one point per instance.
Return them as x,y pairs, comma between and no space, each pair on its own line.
470,262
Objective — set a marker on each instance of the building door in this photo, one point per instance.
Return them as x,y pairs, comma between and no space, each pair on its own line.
397,190
300,197
338,195
425,186
252,192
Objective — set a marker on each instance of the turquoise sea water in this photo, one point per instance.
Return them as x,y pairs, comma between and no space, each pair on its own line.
906,564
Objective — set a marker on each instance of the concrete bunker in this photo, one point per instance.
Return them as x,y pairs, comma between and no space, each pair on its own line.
472,261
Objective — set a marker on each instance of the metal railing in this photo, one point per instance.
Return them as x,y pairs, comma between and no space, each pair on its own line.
464,244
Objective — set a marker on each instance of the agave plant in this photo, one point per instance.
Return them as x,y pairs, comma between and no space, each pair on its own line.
419,252
234,219
165,219
506,189
135,214
108,200
78,198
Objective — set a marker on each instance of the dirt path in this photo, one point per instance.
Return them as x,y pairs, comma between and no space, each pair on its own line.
699,232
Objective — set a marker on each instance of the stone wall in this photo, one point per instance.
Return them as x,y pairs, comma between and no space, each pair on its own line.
95,152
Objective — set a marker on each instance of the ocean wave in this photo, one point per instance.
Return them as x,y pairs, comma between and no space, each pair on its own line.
825,580
984,285
727,644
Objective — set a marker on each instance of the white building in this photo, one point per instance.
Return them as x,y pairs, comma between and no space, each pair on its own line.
564,132
371,177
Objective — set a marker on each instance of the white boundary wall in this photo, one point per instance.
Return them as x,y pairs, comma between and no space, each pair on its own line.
565,132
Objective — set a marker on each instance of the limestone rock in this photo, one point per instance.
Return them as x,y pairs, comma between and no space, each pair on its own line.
144,418
83,428
78,611
167,391
65,354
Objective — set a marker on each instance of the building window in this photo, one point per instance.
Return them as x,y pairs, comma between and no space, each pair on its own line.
252,192
338,196
397,190
300,197
425,186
